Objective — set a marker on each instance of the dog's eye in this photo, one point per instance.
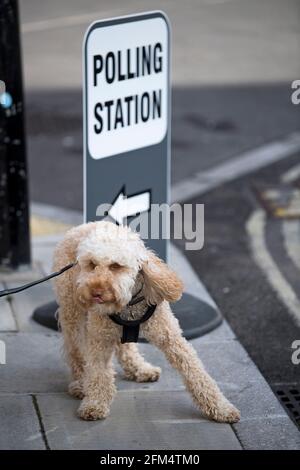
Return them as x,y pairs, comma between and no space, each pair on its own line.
115,266
91,265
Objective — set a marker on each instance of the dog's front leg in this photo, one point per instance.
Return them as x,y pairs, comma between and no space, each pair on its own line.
98,382
72,325
163,331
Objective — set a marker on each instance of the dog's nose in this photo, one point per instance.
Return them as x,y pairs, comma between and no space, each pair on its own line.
97,293
97,296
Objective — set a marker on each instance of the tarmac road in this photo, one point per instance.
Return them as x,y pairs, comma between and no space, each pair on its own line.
210,125
255,308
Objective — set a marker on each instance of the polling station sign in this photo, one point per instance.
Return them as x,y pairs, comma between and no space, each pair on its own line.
126,117
127,84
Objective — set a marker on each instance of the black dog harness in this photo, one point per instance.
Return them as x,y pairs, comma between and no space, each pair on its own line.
131,328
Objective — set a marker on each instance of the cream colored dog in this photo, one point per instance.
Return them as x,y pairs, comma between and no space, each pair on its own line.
113,265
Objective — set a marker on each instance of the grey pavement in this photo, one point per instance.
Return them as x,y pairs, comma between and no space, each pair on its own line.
37,413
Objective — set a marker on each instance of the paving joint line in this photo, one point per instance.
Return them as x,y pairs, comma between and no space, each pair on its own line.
237,435
40,420
13,312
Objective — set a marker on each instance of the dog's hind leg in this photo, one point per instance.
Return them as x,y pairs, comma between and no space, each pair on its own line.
164,331
134,365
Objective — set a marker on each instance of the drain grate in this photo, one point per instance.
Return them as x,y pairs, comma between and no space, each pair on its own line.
289,397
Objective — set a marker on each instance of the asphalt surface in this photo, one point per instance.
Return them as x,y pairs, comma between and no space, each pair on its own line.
226,265
214,42
210,125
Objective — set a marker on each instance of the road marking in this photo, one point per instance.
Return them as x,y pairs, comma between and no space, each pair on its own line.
57,214
255,227
291,237
291,175
291,228
241,165
40,226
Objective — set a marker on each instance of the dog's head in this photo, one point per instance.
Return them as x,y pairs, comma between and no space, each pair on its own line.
113,263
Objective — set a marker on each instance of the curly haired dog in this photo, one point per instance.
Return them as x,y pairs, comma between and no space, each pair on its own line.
113,265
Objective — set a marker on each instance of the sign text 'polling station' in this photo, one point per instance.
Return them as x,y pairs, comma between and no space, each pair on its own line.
128,86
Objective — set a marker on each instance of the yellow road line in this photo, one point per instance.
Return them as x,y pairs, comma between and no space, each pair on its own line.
40,226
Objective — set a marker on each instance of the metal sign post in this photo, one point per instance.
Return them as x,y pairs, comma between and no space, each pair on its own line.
14,219
126,119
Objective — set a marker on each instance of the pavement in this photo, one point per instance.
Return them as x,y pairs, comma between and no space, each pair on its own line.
37,413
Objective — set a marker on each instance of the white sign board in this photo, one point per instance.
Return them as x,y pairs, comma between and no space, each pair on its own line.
127,86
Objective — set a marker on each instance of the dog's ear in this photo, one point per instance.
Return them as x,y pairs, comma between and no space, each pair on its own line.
161,283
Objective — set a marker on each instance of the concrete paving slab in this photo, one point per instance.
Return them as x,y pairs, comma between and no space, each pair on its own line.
221,359
25,302
227,362
45,253
43,248
138,420
7,320
236,375
192,283
272,433
34,363
254,400
219,334
22,275
20,429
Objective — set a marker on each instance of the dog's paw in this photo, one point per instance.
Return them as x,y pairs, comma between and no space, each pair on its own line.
75,389
225,412
91,410
147,373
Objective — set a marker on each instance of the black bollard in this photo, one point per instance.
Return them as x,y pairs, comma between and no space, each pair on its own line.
14,213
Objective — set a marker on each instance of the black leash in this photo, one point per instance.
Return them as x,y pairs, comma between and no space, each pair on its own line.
15,290
131,328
